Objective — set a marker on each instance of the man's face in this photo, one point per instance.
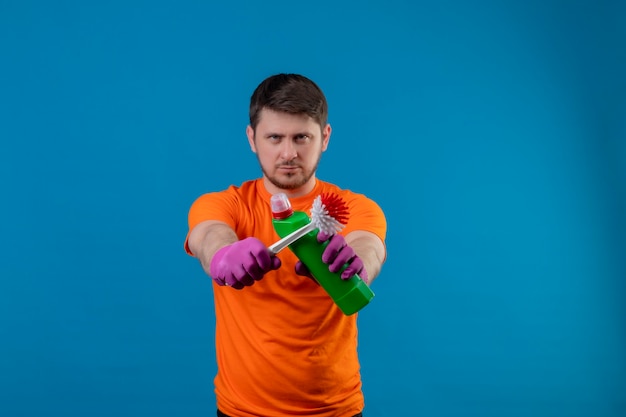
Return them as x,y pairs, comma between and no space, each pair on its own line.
289,148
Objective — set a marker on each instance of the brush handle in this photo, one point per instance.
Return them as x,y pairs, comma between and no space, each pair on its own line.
291,237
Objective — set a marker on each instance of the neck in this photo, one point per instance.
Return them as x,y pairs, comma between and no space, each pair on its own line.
290,192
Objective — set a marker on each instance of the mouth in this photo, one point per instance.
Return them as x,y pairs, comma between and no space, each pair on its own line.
288,171
288,168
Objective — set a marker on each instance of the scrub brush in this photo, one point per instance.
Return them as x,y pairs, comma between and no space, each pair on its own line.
329,214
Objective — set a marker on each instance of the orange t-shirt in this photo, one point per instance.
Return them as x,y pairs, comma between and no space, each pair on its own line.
283,347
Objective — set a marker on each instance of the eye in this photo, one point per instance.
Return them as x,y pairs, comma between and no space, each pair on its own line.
302,138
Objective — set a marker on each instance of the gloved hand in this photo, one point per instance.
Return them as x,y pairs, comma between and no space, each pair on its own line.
242,263
336,254
301,269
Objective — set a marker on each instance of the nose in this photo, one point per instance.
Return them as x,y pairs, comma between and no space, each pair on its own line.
288,151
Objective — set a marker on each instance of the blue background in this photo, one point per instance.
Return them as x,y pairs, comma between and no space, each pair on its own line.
491,133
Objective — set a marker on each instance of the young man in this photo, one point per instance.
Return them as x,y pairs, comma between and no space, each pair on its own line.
283,347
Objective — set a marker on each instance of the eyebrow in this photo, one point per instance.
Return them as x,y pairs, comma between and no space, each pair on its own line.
282,135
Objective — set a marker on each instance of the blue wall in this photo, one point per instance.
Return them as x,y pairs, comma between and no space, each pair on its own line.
492,134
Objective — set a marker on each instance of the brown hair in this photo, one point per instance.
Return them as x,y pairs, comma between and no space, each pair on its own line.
289,93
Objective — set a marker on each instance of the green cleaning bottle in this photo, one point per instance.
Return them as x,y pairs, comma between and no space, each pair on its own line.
350,295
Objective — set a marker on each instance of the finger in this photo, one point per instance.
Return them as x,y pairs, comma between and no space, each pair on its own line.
237,271
248,280
301,269
238,286
355,267
234,278
230,280
346,255
253,272
276,262
323,237
336,243
262,257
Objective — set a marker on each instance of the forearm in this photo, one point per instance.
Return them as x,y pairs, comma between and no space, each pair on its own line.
207,238
370,249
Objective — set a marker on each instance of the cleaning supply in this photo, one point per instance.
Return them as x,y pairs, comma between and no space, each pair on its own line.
326,221
299,232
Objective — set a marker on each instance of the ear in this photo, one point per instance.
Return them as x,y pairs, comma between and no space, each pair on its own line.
250,134
326,136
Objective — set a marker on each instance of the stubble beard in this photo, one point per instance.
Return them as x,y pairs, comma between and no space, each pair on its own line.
299,181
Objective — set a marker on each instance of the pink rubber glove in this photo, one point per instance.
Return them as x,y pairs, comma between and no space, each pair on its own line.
242,263
301,269
336,255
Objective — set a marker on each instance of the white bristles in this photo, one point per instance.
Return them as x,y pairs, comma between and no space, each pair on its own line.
322,219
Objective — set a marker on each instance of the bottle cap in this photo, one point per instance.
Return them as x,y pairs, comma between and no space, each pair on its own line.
281,207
